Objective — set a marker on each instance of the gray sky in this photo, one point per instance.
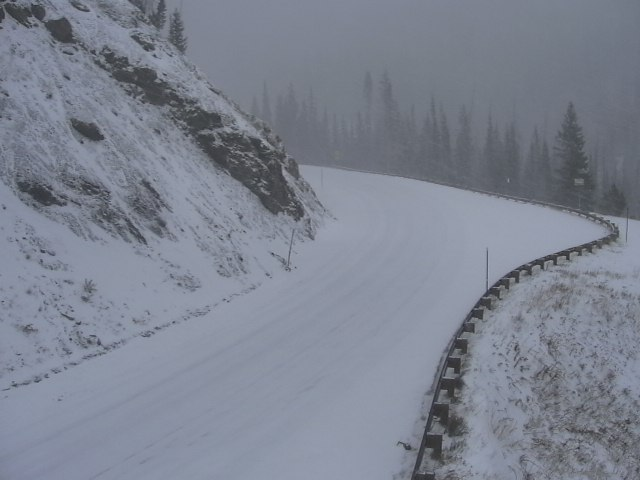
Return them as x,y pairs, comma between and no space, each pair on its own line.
527,56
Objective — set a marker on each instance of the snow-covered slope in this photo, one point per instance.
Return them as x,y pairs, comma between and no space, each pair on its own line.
132,193
552,381
316,374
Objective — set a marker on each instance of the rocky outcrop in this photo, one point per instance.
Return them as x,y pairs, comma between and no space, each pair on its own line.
121,185
250,160
20,14
79,6
38,11
61,30
144,41
87,129
41,193
139,81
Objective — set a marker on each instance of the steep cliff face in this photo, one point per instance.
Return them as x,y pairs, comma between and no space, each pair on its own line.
111,135
94,80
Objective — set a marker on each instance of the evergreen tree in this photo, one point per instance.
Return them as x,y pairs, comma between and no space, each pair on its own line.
266,104
433,140
140,4
367,93
176,31
613,201
546,175
532,181
389,125
445,146
366,141
464,148
574,183
493,156
512,159
255,110
158,17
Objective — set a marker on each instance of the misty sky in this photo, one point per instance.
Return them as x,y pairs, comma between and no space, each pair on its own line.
525,56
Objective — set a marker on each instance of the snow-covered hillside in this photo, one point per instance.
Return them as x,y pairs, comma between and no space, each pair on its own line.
551,384
133,194
317,374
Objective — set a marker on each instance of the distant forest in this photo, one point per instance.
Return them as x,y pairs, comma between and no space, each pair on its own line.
381,137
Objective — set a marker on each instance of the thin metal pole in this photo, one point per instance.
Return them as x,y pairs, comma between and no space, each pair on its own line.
487,272
290,247
626,233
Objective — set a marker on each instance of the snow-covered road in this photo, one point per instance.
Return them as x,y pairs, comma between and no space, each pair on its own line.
316,375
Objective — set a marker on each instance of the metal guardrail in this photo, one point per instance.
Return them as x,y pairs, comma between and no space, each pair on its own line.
458,345
457,348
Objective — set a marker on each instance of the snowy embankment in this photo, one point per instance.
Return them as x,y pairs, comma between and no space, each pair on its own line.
116,220
551,382
316,374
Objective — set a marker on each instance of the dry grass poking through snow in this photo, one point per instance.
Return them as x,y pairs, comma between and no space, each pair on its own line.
553,378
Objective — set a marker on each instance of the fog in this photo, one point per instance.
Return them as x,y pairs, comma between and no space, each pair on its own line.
520,61
527,58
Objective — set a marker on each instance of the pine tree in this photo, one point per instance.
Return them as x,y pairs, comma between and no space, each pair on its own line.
433,140
388,132
266,104
255,109
464,147
512,159
176,31
546,174
574,183
367,93
493,156
158,18
532,181
139,4
613,201
445,146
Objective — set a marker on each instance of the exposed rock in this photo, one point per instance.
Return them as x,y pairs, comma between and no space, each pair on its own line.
148,204
194,117
237,154
41,193
79,6
20,14
144,41
152,89
38,11
112,219
1,14
61,30
89,130
85,187
256,164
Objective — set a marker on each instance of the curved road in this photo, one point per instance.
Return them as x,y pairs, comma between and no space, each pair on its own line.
314,375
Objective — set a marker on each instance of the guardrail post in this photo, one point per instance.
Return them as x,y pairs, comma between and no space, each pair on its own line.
434,442
441,410
515,274
486,302
449,384
424,476
455,363
462,344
